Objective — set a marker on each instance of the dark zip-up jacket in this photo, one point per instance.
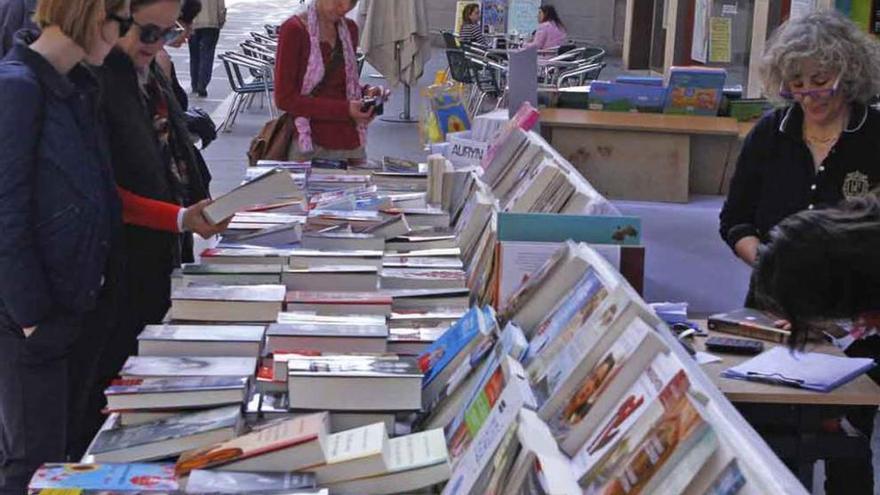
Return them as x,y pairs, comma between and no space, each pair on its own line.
775,175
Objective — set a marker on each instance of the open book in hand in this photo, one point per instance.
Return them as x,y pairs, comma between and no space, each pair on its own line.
810,370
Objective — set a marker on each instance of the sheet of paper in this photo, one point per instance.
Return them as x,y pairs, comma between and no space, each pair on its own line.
700,45
719,40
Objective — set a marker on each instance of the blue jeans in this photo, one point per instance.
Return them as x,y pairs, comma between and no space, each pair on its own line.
202,44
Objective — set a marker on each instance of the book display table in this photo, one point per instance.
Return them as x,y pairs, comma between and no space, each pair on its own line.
648,157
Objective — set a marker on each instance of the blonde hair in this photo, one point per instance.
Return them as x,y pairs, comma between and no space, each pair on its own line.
78,19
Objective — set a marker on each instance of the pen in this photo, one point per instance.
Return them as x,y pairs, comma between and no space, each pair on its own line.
774,379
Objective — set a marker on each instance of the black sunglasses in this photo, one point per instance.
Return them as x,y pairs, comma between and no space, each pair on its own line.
150,33
124,23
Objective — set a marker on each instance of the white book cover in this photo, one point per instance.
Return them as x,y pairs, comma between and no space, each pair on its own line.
203,333
149,366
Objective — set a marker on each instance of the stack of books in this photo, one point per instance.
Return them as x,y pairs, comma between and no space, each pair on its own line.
412,380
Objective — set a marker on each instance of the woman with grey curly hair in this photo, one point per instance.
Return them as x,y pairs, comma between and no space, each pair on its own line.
822,145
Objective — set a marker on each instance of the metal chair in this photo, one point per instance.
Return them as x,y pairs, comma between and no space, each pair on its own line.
248,77
450,39
258,51
579,75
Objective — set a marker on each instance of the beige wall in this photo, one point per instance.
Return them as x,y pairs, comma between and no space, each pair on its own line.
591,20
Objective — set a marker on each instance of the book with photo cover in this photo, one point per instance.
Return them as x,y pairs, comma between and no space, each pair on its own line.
289,445
158,367
327,337
176,392
748,322
234,303
139,477
201,481
168,437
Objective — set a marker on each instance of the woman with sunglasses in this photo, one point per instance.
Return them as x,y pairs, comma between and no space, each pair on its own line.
60,216
822,146
153,156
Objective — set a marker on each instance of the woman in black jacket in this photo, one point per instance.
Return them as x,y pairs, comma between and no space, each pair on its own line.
153,156
59,217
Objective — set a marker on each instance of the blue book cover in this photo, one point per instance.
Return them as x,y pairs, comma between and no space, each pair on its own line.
551,227
452,342
694,90
625,97
142,477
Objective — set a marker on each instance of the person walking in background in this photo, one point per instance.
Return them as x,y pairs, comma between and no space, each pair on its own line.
15,15
551,31
206,31
471,27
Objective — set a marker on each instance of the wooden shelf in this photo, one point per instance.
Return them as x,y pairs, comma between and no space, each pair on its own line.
641,122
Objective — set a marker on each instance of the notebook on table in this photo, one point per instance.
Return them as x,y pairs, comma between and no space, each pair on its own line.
810,370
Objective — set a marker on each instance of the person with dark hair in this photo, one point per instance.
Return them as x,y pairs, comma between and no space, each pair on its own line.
15,15
818,149
820,271
471,28
317,83
153,156
551,31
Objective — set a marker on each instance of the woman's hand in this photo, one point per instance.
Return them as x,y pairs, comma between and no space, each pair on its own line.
747,249
354,110
194,221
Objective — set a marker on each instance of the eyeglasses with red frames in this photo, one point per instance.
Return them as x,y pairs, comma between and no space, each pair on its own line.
816,94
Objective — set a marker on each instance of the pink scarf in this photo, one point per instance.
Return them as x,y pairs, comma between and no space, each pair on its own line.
315,73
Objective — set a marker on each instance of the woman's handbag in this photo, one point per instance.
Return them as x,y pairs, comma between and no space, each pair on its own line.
273,140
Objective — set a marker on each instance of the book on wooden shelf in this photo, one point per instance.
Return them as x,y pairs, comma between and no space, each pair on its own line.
168,437
276,186
361,383
748,322
126,478
327,337
230,274
413,462
243,303
353,454
315,258
165,393
342,241
203,481
354,278
337,303
285,446
180,366
409,278
201,340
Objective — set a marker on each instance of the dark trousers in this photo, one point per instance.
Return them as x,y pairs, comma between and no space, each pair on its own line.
202,44
45,381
